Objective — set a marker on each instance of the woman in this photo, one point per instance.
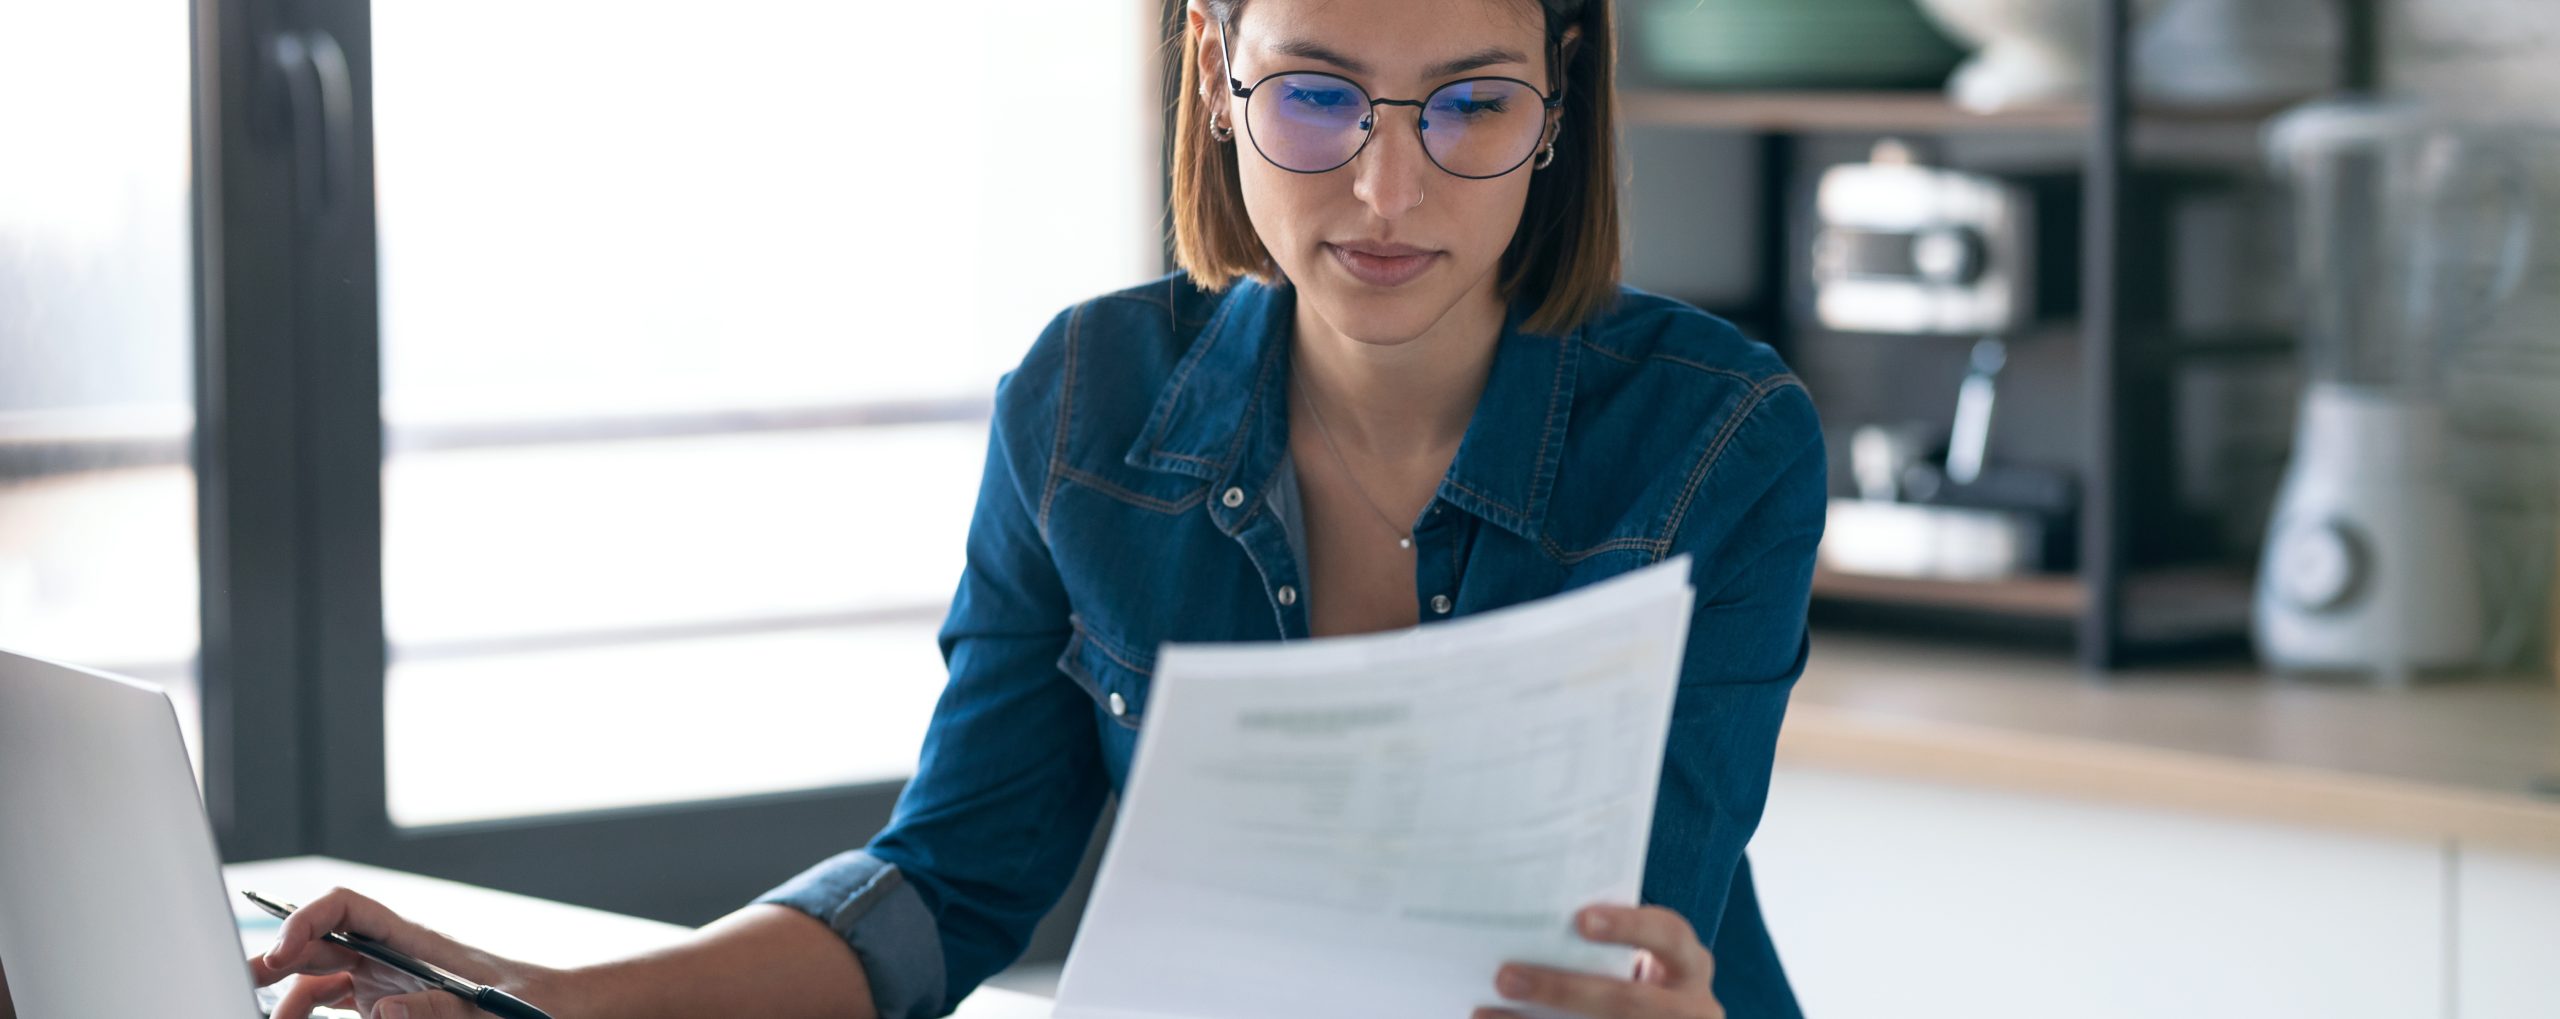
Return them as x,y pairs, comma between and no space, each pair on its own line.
1396,382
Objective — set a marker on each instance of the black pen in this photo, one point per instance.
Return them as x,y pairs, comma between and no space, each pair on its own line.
490,999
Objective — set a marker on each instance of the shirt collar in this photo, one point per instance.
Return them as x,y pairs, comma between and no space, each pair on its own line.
1223,415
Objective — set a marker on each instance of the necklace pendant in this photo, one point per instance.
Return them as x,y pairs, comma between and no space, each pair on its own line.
1404,543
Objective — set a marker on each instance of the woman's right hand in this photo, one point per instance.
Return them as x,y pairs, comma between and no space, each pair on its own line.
328,974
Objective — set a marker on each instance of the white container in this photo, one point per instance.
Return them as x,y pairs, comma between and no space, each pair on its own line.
2030,52
2208,53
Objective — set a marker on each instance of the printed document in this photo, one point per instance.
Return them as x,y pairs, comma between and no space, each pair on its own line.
1373,825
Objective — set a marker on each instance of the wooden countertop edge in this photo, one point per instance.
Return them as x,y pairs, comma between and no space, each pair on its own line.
2093,769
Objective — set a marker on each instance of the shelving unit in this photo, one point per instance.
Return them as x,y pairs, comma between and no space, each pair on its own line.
2117,613
2057,598
2213,137
1801,112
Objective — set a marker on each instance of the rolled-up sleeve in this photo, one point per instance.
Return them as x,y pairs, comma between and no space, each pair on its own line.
868,903
1010,782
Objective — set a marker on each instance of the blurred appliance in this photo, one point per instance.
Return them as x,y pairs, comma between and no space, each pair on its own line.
1910,519
1923,251
1905,248
2030,51
1791,44
2412,229
2240,53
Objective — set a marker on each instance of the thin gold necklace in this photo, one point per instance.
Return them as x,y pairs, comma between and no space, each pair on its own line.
1404,538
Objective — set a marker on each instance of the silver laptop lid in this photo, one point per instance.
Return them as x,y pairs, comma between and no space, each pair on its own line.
111,895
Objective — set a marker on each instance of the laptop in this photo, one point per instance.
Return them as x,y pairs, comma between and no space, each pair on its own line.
111,893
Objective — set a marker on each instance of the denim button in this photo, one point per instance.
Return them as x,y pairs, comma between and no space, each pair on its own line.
1440,604
1233,498
1119,706
1288,595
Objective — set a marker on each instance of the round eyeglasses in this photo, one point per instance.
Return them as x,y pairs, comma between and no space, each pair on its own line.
1313,122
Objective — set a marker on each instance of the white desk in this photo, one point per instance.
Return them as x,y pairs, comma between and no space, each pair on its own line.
517,926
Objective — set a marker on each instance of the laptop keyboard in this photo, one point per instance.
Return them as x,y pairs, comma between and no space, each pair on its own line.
269,995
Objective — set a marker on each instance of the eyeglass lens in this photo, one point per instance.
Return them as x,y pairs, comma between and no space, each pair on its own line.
1310,123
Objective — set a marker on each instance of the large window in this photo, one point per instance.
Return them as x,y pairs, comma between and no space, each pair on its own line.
687,329
536,440
97,504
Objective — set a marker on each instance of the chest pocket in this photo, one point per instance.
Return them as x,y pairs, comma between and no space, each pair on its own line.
1113,676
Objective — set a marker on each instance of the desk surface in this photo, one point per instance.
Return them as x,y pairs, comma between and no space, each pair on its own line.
2462,760
2459,760
518,926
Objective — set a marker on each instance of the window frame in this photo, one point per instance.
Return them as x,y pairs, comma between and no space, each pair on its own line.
289,448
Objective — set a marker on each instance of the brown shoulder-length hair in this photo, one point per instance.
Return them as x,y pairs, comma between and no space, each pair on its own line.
1566,251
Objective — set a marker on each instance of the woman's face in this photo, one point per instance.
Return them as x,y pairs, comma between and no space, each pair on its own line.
1336,234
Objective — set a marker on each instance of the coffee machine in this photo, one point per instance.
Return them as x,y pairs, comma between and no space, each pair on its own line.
1935,254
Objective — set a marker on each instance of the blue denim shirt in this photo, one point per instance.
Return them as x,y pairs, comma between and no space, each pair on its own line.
1138,490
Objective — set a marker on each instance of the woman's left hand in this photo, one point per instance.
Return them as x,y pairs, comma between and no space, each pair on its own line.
1673,979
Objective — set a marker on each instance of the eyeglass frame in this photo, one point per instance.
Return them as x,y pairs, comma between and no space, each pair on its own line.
1237,88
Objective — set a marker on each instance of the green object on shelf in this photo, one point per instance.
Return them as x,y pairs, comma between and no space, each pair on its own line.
1792,43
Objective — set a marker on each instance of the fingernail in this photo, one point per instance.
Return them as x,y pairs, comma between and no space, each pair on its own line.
275,951
1595,924
1512,983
